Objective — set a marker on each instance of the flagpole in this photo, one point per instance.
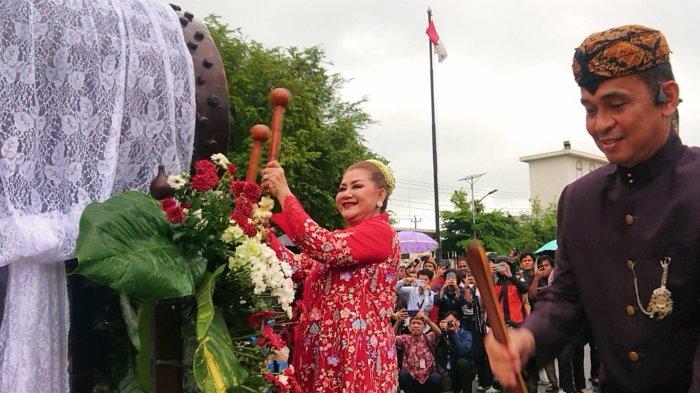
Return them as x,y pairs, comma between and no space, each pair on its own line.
435,165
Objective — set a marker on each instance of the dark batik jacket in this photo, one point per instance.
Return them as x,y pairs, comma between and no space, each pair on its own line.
613,223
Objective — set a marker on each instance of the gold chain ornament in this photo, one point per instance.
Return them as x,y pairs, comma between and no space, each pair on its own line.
661,303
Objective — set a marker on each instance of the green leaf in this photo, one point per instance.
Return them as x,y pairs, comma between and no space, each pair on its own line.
205,307
125,243
143,357
216,367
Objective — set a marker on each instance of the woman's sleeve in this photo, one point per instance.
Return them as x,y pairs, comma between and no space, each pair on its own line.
365,243
301,263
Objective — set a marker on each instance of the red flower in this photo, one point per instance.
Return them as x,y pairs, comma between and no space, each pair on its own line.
167,203
246,189
173,211
231,169
204,167
251,191
205,177
205,181
273,339
257,318
244,206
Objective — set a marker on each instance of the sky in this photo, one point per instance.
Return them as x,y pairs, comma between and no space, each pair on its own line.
505,90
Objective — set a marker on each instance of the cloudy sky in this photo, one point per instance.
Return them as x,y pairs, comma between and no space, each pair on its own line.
505,90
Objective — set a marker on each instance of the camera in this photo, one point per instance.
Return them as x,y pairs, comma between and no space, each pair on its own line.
450,324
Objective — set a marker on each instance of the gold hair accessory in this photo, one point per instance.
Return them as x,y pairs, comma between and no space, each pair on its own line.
388,176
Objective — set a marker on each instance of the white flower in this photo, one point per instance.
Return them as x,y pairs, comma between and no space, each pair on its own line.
232,233
220,160
177,182
266,203
197,214
283,379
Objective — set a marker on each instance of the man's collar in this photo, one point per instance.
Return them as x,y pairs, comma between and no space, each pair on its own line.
647,170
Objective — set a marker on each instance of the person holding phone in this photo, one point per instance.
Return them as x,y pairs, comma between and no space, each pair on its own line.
418,373
451,296
416,292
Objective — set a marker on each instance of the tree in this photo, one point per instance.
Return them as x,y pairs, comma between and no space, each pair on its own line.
495,229
498,230
321,131
538,227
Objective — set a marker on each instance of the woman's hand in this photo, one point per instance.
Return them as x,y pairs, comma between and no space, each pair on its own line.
274,181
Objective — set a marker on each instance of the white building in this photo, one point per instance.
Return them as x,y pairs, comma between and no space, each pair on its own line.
551,172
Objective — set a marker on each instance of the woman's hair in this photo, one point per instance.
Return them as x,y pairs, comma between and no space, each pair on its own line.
378,177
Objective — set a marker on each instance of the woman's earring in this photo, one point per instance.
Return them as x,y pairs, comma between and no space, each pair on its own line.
379,204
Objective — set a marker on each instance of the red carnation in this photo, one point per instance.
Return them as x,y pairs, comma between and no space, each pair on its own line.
273,339
251,191
168,203
175,214
244,206
237,187
231,169
204,166
204,181
249,229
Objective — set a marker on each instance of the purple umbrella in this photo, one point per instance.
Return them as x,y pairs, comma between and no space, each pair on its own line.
416,242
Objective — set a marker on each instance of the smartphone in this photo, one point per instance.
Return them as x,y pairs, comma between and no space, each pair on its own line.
418,283
412,313
450,276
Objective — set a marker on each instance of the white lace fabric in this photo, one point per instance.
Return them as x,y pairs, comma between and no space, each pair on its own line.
94,94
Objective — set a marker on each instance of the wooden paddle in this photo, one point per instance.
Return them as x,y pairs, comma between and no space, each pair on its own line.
481,269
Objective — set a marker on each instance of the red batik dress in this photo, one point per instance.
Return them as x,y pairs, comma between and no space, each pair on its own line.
344,341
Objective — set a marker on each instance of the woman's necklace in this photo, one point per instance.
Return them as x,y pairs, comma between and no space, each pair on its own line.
660,303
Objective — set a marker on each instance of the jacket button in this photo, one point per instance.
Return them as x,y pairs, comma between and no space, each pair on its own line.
630,310
629,219
630,264
633,356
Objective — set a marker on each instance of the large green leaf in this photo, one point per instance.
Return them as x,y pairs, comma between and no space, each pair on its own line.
125,243
216,367
205,307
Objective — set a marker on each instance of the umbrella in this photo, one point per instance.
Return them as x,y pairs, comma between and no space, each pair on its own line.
416,242
550,246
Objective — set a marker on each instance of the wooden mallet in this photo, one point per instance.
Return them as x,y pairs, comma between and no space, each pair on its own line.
279,99
259,133
481,269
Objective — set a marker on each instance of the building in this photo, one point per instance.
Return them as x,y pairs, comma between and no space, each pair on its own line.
551,172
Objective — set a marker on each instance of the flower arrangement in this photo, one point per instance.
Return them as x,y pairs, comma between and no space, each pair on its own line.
207,241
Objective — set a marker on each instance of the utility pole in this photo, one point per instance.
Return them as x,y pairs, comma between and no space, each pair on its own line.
415,221
472,179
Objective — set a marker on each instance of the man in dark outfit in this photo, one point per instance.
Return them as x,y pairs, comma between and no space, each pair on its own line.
629,233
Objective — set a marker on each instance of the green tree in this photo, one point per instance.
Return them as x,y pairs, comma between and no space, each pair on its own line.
321,131
495,229
499,231
536,228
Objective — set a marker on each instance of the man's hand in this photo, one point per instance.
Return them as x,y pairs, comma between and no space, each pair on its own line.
506,362
408,280
539,273
401,315
468,295
506,270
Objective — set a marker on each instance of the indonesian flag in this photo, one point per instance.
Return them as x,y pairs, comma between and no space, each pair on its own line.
438,46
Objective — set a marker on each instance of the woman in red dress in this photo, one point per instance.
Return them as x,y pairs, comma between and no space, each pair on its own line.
344,341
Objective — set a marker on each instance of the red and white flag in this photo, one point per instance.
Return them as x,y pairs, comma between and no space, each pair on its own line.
438,46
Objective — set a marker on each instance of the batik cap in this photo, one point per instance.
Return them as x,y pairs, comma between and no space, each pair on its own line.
618,52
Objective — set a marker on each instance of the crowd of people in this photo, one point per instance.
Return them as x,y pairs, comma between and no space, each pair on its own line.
440,325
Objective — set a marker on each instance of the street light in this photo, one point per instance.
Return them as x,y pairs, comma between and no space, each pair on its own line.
489,193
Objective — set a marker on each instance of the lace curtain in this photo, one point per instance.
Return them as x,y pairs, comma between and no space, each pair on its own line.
94,94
